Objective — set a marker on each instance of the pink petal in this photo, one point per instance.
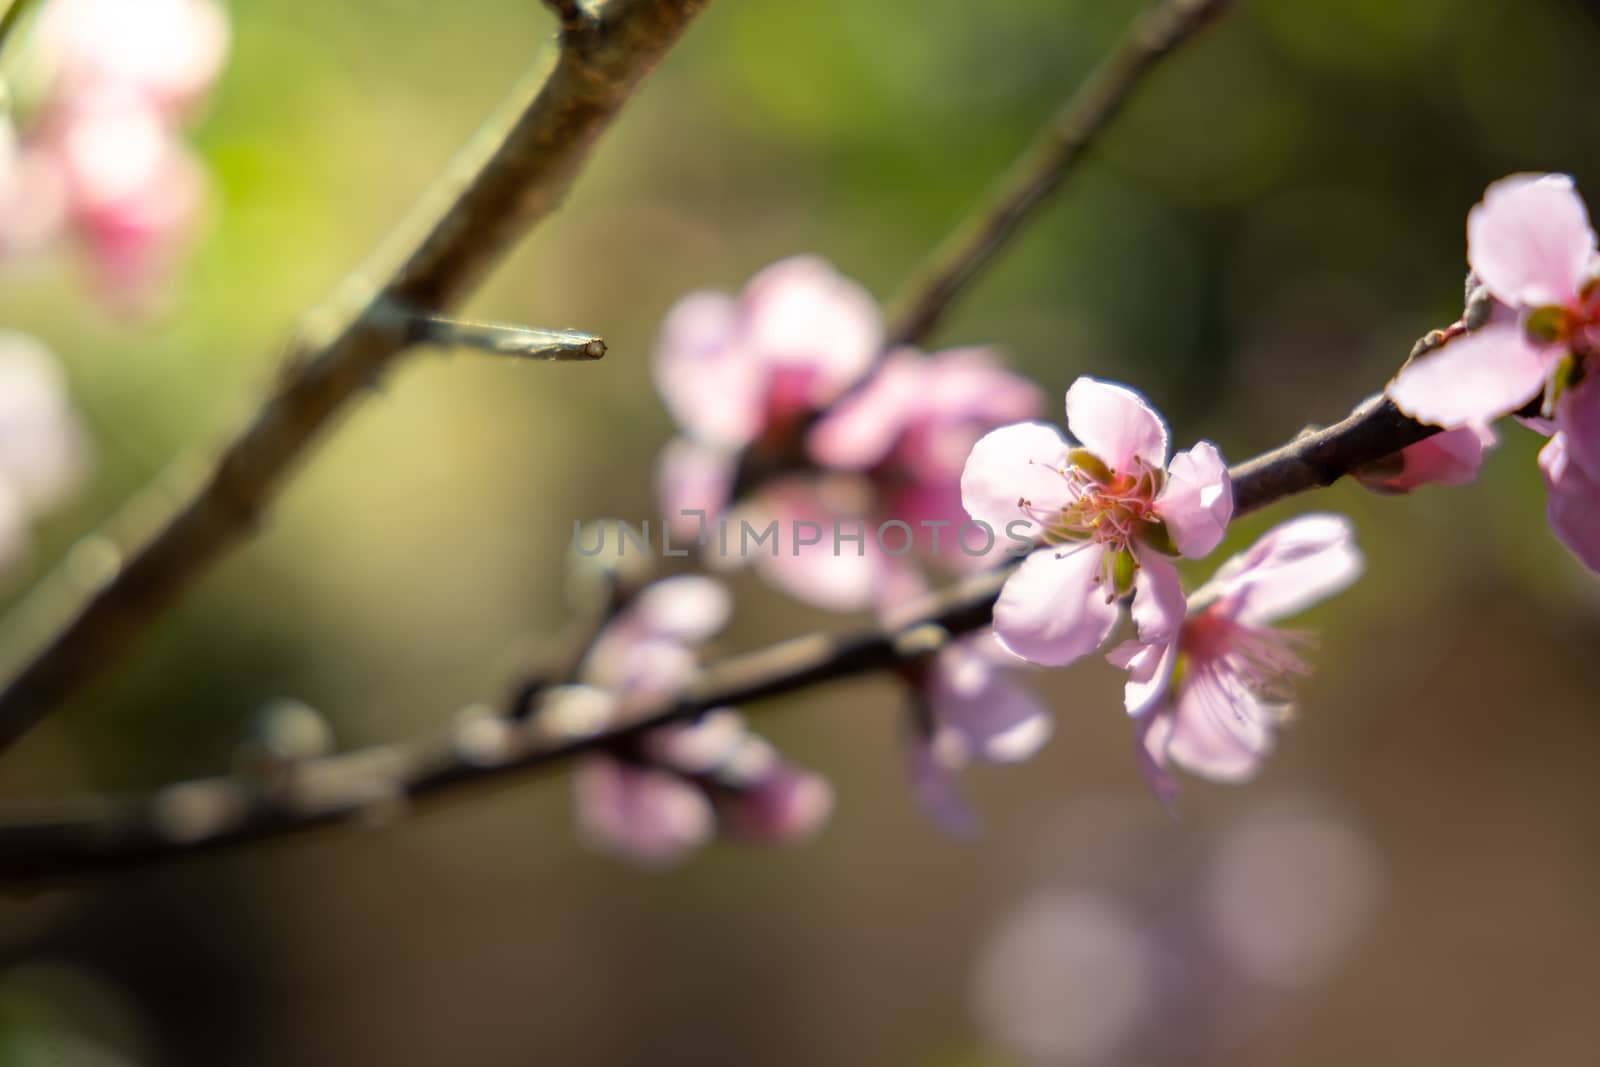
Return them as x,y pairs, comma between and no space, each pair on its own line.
692,477
861,429
831,574
1530,241
1578,419
1219,730
1290,567
1158,611
1015,463
1574,507
938,794
972,385
996,719
1151,732
1116,424
789,805
1056,607
1449,458
640,814
800,315
711,383
1477,377
1197,501
686,607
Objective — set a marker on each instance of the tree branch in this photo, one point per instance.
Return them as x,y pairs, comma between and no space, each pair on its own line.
1035,174
73,838
513,173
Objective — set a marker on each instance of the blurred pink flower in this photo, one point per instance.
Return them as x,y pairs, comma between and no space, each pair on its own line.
169,53
1531,245
682,782
1449,458
969,709
102,159
1209,698
755,372
42,445
1109,515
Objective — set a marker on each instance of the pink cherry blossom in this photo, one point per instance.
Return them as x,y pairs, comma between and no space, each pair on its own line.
672,791
1449,458
970,708
167,52
43,448
1530,243
1110,511
1213,694
883,454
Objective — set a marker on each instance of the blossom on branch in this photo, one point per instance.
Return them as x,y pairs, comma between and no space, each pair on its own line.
1110,510
1210,698
867,456
1531,245
968,709
669,793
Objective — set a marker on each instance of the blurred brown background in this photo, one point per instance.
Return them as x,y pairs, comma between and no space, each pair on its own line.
1255,246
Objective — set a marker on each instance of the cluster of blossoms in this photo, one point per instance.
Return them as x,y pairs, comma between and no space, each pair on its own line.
787,381
789,373
682,783
1533,255
107,89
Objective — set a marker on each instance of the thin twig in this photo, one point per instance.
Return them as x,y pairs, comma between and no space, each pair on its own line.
514,173
504,339
73,838
1036,173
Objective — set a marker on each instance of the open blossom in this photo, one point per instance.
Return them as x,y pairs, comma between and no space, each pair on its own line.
1530,243
970,708
1449,458
1211,697
42,444
1110,510
779,372
683,782
101,157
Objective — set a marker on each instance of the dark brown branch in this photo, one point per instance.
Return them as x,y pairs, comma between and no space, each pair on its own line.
514,173
66,839
1043,165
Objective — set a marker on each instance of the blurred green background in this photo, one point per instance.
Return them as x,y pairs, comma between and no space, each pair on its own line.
1255,246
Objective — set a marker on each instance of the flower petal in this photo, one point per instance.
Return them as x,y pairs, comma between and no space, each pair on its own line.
860,430
692,477
1197,501
1020,463
1290,567
1151,731
996,719
1116,424
1449,458
807,322
637,813
789,805
835,574
1574,506
711,383
1056,607
1578,419
1529,240
1477,377
938,794
1150,667
1219,730
685,607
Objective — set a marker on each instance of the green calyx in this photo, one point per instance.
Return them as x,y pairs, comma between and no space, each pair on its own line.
1547,324
1090,464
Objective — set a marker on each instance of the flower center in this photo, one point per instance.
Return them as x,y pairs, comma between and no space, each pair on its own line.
1267,661
1106,507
